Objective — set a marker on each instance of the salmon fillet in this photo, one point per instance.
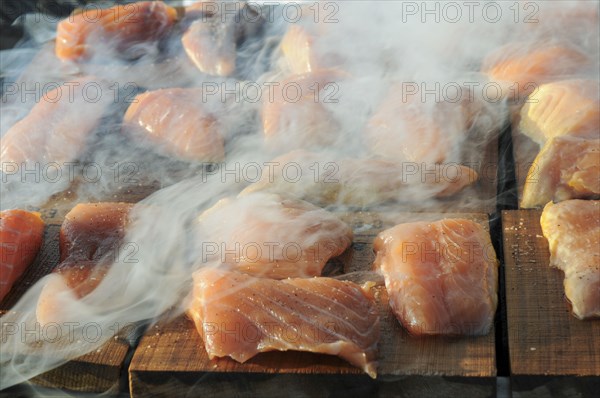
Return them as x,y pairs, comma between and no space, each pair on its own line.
566,107
177,123
572,228
89,237
441,277
521,67
57,128
118,30
566,168
326,179
21,234
271,236
319,315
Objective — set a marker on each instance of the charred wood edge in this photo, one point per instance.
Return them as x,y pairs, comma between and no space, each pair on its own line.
506,200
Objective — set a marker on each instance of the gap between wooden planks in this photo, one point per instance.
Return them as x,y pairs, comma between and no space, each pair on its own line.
550,349
171,358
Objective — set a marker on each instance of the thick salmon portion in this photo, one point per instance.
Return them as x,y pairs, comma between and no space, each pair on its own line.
21,234
58,127
119,30
327,179
268,236
441,277
566,168
295,116
407,128
319,315
176,122
566,107
572,228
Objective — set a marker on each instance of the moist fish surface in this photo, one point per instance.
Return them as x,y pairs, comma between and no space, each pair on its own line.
566,168
89,238
270,236
21,234
177,123
441,277
572,228
319,315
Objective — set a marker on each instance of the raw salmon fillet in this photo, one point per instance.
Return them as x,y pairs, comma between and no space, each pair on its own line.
119,30
406,128
58,127
320,315
521,67
296,115
569,107
271,236
441,277
566,168
21,234
176,122
572,228
89,237
327,179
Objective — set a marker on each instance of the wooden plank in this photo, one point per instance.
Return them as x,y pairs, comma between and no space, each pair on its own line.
171,359
548,346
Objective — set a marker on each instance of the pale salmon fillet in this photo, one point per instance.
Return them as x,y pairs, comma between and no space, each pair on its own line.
21,234
441,277
118,30
328,179
271,236
572,228
176,122
406,128
57,128
89,236
296,115
566,168
565,107
319,315
521,67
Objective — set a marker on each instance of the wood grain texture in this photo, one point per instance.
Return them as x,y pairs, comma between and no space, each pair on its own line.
545,339
171,358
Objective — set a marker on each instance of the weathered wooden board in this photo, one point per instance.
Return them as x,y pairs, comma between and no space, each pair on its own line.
171,360
551,352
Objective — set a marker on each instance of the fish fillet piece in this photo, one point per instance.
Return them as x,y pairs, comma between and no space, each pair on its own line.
211,41
565,107
319,315
441,277
521,67
326,179
566,168
405,128
21,234
118,30
57,128
271,236
296,115
177,123
572,228
89,239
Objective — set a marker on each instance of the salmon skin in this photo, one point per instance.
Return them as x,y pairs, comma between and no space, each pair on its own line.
568,107
177,123
441,277
57,128
21,234
319,315
118,30
327,179
566,168
271,236
572,228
